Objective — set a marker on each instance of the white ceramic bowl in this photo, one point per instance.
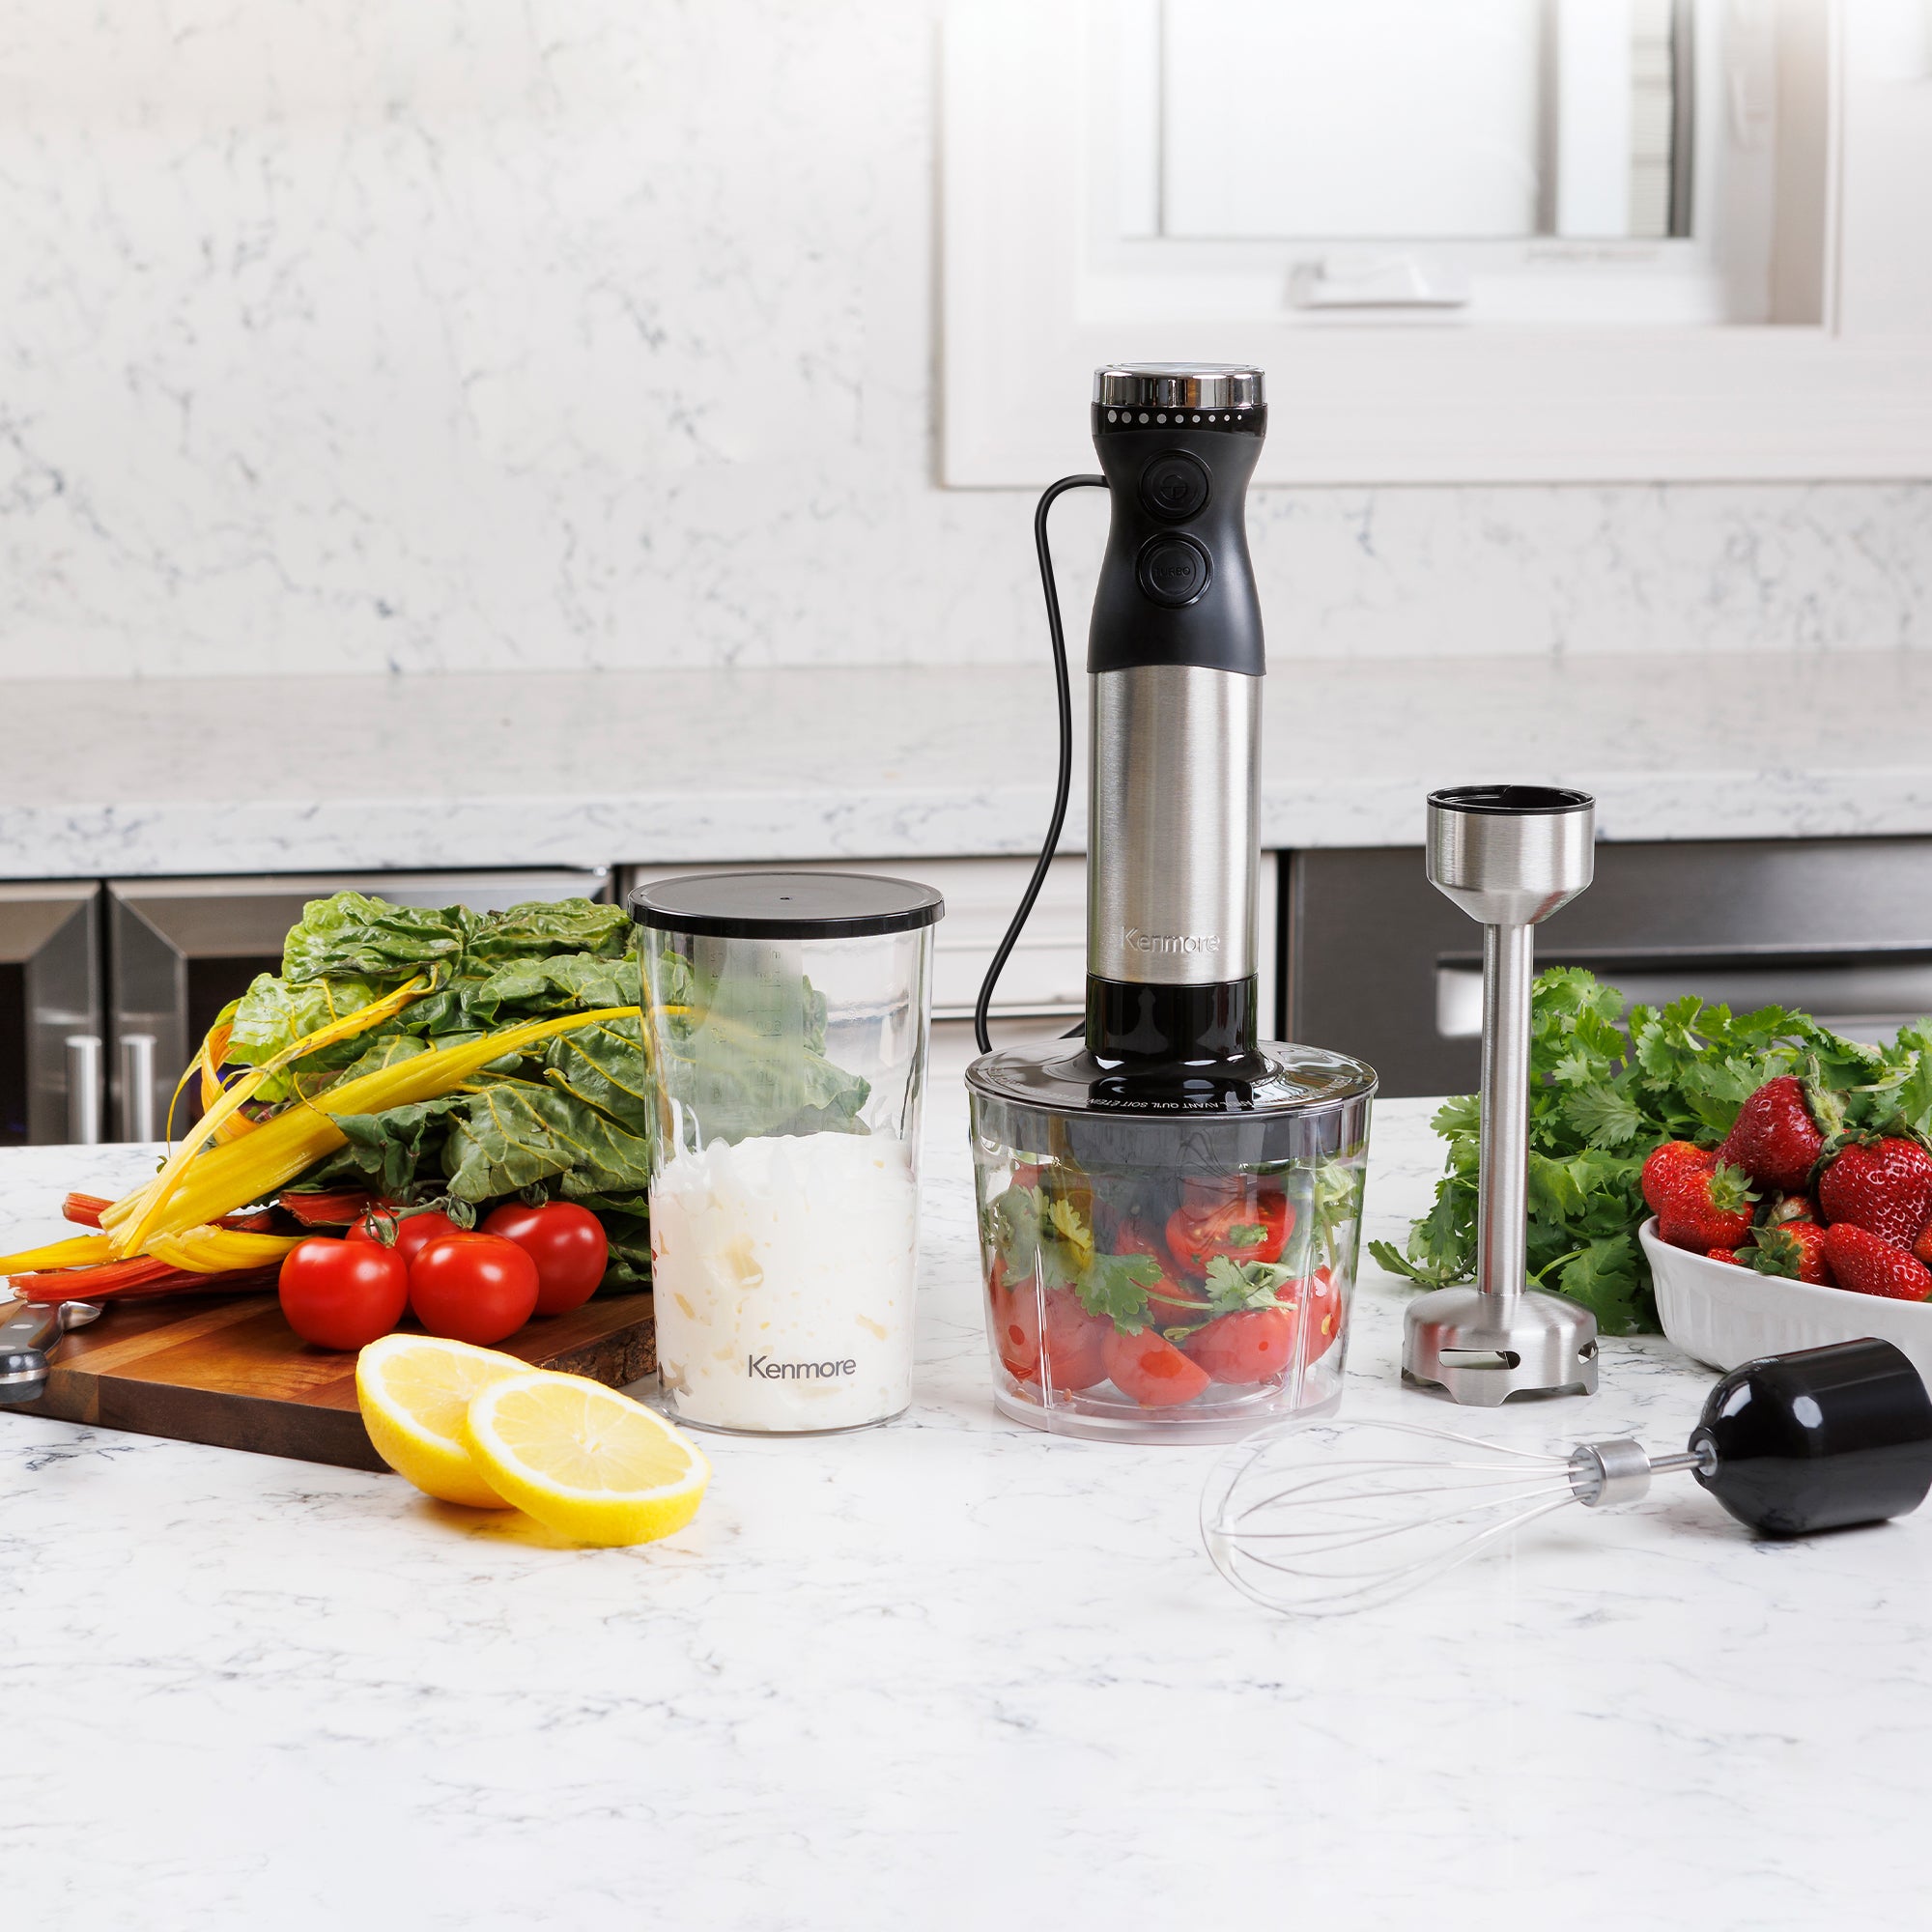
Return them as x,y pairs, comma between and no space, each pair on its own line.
1726,1315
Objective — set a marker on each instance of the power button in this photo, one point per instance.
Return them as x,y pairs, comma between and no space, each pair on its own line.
1172,570
1175,487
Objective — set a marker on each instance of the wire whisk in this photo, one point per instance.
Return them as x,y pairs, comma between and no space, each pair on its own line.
1316,1518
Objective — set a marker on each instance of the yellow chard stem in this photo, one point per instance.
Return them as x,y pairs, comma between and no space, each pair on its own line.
129,1237
223,1179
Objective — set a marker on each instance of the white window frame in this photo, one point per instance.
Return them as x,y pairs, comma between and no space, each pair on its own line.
1036,296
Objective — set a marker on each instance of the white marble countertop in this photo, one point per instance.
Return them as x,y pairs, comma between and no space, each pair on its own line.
946,1674
191,775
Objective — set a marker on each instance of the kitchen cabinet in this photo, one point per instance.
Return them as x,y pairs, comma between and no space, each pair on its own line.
50,1012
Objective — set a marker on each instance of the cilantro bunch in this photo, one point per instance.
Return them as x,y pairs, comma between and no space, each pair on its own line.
1606,1086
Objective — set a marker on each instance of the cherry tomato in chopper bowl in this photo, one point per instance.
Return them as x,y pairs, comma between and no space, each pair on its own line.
1149,1369
1240,1225
1245,1346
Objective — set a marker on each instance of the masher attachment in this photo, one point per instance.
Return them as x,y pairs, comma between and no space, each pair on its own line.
1509,856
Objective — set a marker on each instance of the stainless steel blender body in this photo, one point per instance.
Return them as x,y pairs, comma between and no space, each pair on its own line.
1509,856
1176,661
1174,803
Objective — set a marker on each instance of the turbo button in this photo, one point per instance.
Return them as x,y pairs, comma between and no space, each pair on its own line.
1172,570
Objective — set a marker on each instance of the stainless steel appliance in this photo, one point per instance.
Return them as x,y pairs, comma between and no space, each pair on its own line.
1508,856
179,949
1170,1203
50,1013
1376,961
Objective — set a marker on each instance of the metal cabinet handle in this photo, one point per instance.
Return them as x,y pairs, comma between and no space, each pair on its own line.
83,1089
137,1087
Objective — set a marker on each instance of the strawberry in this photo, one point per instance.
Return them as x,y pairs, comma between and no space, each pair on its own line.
1724,1255
1795,1250
1706,1207
1667,1158
1782,1207
1882,1185
1869,1264
1775,1137
1922,1246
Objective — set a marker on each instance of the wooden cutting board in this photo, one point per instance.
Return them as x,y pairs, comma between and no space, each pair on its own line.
231,1372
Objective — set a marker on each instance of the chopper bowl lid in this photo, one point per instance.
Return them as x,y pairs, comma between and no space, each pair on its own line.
1059,1076
785,905
1179,385
1050,1093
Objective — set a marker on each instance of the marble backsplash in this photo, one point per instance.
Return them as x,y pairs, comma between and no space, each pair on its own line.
340,337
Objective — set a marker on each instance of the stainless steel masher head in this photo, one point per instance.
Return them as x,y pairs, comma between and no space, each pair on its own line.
29,1336
1509,856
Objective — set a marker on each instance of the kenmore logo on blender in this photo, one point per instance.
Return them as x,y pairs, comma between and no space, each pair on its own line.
771,1371
1172,942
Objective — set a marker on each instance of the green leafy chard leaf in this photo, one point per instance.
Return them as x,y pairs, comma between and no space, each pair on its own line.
531,988
349,934
545,928
514,1135
385,1150
602,1067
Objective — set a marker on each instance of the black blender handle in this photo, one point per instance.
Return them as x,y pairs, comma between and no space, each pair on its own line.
1821,1439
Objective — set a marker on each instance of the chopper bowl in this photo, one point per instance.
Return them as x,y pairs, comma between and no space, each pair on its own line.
1168,1278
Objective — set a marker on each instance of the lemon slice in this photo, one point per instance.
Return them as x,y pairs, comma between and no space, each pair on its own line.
584,1460
414,1390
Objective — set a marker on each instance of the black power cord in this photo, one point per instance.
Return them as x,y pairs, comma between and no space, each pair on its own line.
1065,785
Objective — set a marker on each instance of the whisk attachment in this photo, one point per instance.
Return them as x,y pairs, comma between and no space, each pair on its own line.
1315,1518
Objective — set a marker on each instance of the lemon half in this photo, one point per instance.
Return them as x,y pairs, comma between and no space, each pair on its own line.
584,1460
414,1391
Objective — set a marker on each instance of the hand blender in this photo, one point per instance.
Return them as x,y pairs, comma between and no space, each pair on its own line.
1171,1168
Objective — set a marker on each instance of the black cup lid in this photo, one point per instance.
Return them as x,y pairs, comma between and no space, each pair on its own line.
785,905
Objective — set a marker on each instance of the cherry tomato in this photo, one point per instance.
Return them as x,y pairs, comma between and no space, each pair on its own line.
1136,1237
1323,1300
1015,1342
1071,1343
1171,1302
1236,1221
473,1288
414,1231
1149,1369
341,1295
1250,1344
566,1241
